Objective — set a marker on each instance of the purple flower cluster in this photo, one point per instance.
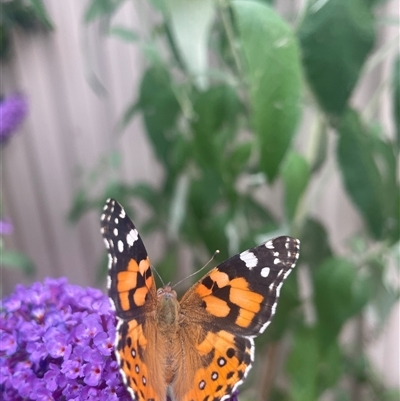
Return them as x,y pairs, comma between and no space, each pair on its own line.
13,110
56,343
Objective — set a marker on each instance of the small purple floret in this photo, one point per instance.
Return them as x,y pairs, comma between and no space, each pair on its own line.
13,110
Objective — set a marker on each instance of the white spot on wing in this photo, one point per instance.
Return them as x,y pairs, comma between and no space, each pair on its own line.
109,261
132,237
249,259
277,261
120,246
115,231
269,245
122,214
265,271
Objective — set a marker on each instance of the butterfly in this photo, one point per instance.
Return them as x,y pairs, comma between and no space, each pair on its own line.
201,347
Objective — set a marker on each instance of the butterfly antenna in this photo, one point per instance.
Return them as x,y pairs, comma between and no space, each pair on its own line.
198,271
158,274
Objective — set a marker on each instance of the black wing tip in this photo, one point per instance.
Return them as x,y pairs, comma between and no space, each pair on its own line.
282,242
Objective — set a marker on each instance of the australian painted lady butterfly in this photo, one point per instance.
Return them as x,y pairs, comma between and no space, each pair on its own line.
199,347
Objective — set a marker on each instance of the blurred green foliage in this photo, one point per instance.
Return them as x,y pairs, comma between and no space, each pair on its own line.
223,133
27,15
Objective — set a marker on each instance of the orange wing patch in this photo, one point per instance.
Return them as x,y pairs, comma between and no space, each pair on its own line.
227,368
134,278
139,297
216,306
216,278
248,302
126,280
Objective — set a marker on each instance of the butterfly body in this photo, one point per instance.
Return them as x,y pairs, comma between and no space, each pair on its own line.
200,347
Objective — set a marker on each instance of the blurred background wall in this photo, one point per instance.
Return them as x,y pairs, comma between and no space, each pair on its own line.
78,83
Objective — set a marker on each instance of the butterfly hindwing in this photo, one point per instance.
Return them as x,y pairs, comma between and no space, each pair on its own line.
130,281
137,354
231,358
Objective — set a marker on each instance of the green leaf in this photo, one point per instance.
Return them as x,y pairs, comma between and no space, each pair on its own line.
181,152
295,174
302,365
396,97
330,367
359,172
259,218
160,109
336,37
18,261
128,35
190,25
273,72
318,145
384,296
214,109
41,13
4,42
339,293
239,157
204,194
385,157
101,8
315,247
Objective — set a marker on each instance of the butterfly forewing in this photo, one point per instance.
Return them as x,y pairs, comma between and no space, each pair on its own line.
243,291
130,281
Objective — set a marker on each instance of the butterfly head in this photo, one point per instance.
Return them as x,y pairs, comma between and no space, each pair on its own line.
166,292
